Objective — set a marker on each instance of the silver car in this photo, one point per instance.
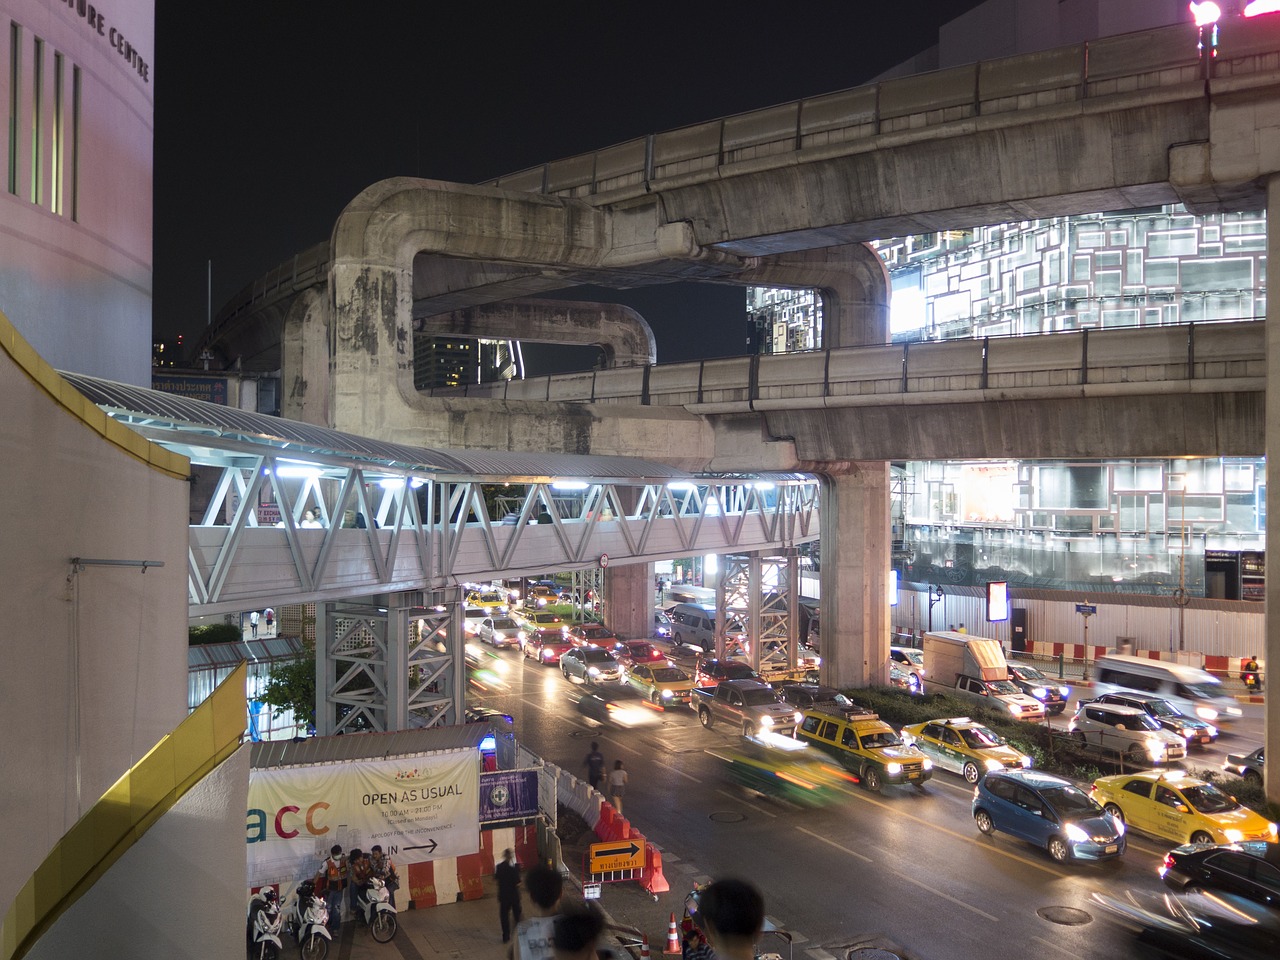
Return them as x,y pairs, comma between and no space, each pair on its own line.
499,632
1128,731
591,665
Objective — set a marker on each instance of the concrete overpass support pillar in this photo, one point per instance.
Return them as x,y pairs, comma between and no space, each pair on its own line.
325,673
628,600
855,572
1271,718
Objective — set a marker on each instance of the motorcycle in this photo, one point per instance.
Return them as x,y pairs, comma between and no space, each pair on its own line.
374,905
309,923
265,922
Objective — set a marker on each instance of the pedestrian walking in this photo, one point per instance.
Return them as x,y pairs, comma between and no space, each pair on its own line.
253,623
594,762
617,785
534,936
269,616
507,873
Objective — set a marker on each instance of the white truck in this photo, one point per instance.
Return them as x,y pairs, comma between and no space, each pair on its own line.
975,667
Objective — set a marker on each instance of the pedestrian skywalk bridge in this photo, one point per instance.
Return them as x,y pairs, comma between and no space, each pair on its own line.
392,518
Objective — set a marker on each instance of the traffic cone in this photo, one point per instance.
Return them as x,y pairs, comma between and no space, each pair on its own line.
672,949
644,947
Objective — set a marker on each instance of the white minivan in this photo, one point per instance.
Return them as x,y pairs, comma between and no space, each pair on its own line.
1195,691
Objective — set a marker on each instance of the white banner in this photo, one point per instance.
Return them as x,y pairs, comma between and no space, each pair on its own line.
419,808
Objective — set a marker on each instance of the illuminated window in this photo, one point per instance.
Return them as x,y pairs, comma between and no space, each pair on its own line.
37,123
15,78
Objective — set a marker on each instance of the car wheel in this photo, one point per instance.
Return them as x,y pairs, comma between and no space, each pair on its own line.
1253,776
971,772
657,700
983,820
704,715
1079,738
1201,837
1135,754
871,779
1059,850
1115,811
678,640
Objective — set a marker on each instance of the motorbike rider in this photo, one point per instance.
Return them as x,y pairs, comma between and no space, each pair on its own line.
380,866
1252,679
358,878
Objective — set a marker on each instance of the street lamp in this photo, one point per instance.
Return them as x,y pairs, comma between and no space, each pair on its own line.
1180,597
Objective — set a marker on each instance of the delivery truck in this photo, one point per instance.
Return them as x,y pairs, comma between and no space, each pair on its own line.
974,668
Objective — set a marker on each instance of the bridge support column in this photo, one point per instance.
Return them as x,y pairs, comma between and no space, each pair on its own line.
1271,654
855,572
628,600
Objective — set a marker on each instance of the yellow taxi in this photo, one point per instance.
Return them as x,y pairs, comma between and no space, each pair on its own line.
964,746
1178,807
661,683
489,600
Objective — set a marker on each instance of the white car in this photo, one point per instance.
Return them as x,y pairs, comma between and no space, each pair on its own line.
1128,731
471,619
499,632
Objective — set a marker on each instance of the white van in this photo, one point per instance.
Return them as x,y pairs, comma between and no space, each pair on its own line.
695,623
1195,691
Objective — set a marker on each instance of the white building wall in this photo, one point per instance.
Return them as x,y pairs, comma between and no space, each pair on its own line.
79,290
178,893
95,663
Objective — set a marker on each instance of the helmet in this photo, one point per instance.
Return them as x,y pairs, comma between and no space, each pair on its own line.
269,894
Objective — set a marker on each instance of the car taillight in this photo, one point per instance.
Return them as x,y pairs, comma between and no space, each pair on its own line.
1166,866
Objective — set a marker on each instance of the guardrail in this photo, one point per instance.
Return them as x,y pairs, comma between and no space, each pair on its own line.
1148,64
1229,356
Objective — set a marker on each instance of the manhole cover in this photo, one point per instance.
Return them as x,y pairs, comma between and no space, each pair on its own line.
871,953
575,734
728,817
1067,916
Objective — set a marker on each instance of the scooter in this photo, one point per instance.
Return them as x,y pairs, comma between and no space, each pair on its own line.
265,921
309,923
374,904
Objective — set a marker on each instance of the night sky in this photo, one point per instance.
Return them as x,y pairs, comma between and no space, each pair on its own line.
272,115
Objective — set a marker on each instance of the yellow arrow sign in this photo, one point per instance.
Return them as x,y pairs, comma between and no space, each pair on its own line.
615,855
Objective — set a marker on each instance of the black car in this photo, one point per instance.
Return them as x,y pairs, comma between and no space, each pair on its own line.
1035,684
1250,868
1196,925
1191,729
815,696
1247,765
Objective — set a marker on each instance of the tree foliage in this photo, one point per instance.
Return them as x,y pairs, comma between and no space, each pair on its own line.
291,685
214,633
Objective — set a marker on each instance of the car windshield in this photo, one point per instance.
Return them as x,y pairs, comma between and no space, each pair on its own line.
1002,686
1070,803
504,624
885,738
669,675
915,656
596,655
1163,708
1143,721
1030,673
490,598
595,630
640,650
545,618
738,671
476,613
1204,691
1206,798
978,738
756,698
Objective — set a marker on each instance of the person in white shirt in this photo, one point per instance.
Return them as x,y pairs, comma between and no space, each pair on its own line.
534,936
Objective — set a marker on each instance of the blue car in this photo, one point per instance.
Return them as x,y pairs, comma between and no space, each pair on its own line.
1052,813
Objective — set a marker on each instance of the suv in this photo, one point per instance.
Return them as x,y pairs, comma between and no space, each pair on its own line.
1191,729
707,672
1127,731
1035,684
816,697
867,747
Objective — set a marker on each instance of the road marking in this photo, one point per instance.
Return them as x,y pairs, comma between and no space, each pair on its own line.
947,896
840,847
745,803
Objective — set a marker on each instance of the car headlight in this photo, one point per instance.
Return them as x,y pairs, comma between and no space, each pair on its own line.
893,769
1206,713
1272,828
1233,836
766,721
667,694
1076,834
798,716
1026,763
928,764
1039,692
1015,709
1155,749
993,764
1118,824
1065,691
593,671
1211,730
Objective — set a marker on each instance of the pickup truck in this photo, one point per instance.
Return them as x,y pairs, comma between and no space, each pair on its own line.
750,705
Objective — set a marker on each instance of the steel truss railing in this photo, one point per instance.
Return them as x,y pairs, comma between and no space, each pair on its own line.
426,533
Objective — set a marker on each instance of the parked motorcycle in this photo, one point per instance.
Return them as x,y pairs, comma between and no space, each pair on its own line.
265,922
374,905
309,922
